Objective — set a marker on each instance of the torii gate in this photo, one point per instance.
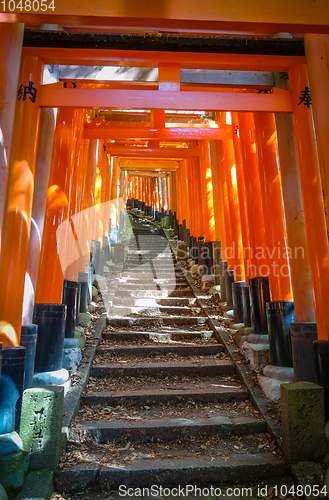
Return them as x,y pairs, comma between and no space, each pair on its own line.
296,17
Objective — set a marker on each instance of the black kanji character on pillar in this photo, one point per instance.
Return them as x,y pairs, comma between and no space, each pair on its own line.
104,147
20,92
23,91
306,97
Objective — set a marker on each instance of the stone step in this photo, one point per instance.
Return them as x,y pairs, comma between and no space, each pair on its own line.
186,292
165,259
150,302
160,336
152,233
203,393
143,254
147,471
158,270
161,249
147,272
154,267
163,253
157,261
195,368
153,247
147,281
166,429
162,245
162,350
158,320
158,258
173,285
152,241
143,274
173,310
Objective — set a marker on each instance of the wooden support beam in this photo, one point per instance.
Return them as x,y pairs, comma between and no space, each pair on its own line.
149,170
139,152
148,99
148,165
131,75
138,173
256,79
175,133
165,43
297,16
151,59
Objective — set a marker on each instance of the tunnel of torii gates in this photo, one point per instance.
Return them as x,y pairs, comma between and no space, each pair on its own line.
251,169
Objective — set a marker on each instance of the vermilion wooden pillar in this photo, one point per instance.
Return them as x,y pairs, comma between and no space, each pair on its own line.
179,193
219,193
19,197
173,190
133,187
151,198
146,191
273,210
317,57
192,199
228,240
115,192
53,251
157,194
154,194
140,189
122,185
107,190
168,192
309,172
96,224
195,198
125,190
159,191
41,176
294,211
88,203
74,243
102,194
234,208
206,186
258,256
242,197
185,207
11,38
164,193
216,189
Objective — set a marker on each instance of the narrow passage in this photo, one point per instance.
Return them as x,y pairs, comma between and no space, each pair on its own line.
163,405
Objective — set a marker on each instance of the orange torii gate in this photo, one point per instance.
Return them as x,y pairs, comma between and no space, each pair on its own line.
169,94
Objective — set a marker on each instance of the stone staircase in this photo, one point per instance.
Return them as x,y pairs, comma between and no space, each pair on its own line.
163,404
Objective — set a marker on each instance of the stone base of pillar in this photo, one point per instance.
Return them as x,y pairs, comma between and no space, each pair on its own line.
57,377
10,443
71,355
302,421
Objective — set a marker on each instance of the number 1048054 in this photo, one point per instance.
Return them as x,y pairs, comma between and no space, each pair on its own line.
24,6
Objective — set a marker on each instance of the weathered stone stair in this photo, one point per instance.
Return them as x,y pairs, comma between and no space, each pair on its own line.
163,404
